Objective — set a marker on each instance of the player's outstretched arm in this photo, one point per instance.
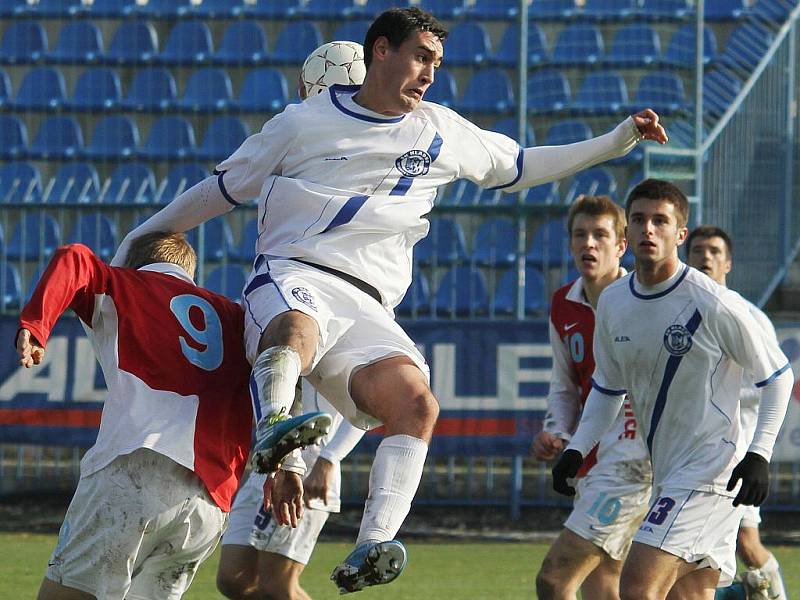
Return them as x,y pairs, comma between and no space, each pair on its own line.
29,350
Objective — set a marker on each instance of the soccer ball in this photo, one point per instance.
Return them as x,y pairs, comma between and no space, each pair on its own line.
334,62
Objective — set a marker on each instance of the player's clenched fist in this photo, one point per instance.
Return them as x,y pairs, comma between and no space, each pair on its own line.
29,350
566,468
546,446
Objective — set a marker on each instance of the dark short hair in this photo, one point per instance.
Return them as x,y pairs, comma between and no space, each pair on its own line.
658,189
597,206
399,24
703,232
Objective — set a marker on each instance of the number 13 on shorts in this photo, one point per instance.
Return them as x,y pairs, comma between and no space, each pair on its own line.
659,512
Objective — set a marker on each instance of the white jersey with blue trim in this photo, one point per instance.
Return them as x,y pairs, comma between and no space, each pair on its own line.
751,395
347,188
680,350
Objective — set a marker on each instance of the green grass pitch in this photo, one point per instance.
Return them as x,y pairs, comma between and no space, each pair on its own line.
468,571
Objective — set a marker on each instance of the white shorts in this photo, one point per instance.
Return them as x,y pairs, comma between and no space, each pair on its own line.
699,527
355,330
251,525
751,517
608,513
136,529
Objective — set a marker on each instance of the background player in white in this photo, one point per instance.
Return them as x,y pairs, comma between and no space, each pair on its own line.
612,497
343,181
678,344
709,249
156,487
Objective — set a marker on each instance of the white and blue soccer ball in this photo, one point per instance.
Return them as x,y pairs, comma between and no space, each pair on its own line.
331,63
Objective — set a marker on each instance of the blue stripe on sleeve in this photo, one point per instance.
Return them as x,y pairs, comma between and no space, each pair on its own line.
607,391
773,377
347,212
257,282
222,189
520,158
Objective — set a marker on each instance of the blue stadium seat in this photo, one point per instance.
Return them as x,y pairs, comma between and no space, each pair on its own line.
488,91
20,182
444,9
163,9
444,244
74,182
724,10
552,10
772,13
42,89
494,10
109,9
608,10
509,126
271,10
634,45
662,91
495,243
218,9
746,46
443,89
468,44
550,245
372,8
222,137
505,295
13,137
218,241
263,90
352,31
567,132
548,92
170,138
417,300
228,280
189,43
461,293
682,45
153,89
14,8
507,53
97,89
10,287
578,44
130,183
133,43
96,231
601,93
79,42
208,90
56,9
295,42
327,9
114,137
244,43
181,177
596,181
547,193
720,88
5,90
461,192
664,10
246,248
36,236
57,138
23,42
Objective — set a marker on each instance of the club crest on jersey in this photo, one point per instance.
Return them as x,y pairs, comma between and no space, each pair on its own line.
414,163
677,340
304,296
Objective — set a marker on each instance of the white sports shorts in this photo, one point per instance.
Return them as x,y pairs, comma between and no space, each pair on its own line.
699,527
608,513
136,529
751,517
355,330
251,525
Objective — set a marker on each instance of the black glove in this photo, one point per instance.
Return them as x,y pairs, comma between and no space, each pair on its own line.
753,470
566,468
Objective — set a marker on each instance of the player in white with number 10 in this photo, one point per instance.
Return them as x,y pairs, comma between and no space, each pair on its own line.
343,181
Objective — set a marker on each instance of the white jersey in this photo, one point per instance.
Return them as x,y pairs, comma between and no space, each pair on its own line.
679,350
751,395
347,188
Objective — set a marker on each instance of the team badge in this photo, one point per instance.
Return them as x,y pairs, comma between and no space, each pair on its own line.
414,163
304,296
677,340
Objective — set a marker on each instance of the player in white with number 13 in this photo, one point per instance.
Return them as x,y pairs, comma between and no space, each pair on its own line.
343,181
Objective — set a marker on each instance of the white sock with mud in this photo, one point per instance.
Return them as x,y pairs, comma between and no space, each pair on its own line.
273,380
393,481
772,570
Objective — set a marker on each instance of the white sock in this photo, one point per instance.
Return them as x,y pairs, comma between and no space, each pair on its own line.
275,374
393,481
772,570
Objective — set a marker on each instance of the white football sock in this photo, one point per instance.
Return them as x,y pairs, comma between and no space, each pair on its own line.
772,570
273,380
393,481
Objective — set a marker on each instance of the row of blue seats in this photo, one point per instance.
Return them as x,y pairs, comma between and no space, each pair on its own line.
244,43
488,10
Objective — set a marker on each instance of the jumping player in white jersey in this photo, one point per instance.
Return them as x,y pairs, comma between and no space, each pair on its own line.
612,492
709,249
678,344
343,181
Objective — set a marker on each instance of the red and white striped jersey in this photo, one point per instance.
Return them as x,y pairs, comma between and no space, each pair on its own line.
173,359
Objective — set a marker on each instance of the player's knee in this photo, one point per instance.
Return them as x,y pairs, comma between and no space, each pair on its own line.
547,584
636,588
424,407
231,586
277,588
